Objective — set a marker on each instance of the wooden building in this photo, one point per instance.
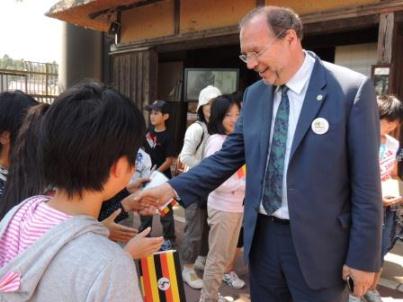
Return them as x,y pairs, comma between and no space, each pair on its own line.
156,43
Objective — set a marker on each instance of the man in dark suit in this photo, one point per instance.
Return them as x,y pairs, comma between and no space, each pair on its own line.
308,133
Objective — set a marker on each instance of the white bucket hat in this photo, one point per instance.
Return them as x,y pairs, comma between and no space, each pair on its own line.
207,94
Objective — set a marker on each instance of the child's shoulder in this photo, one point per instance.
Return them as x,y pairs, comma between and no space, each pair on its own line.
105,249
217,138
95,252
392,142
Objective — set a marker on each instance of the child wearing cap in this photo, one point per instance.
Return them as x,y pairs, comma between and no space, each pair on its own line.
194,246
159,145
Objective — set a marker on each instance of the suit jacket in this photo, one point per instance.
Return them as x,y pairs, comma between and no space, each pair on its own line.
333,180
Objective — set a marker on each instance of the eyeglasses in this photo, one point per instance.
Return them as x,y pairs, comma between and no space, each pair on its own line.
255,55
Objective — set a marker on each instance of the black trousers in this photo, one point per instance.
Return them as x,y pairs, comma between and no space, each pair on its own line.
167,221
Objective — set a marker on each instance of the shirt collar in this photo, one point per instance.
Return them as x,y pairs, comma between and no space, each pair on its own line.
300,79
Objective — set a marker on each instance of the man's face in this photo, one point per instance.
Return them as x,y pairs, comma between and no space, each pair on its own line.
267,54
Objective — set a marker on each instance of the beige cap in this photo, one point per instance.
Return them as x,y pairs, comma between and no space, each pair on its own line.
207,94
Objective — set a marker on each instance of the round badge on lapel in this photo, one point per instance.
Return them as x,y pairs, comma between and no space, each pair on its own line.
320,126
319,97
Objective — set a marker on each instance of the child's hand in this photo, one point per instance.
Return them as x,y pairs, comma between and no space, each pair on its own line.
118,232
390,201
141,246
137,185
133,204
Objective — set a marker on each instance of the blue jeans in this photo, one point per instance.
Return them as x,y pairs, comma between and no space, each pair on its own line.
391,229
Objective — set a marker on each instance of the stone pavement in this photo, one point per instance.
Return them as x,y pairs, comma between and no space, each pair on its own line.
391,285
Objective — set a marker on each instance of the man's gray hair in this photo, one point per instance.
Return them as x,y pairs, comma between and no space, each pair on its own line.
279,20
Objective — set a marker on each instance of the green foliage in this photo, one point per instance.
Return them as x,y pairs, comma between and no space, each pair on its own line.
6,62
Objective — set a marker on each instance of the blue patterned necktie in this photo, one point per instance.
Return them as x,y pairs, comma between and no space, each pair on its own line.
273,190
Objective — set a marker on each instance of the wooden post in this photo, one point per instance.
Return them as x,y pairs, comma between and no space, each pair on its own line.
385,38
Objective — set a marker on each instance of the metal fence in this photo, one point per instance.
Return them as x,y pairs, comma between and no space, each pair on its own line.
40,80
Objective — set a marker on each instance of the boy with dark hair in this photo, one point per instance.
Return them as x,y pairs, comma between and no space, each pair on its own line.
53,248
159,145
13,106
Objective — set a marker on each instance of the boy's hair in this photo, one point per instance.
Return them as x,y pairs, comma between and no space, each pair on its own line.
219,109
25,177
13,106
84,132
390,108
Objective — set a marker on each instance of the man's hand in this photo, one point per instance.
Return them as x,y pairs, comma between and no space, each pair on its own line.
130,204
142,246
118,232
362,280
153,198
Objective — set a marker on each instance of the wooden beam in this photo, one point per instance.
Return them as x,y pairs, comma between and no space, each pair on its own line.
355,11
185,39
327,27
260,3
136,4
385,38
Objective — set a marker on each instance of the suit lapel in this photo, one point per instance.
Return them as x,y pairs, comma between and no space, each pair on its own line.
266,114
314,99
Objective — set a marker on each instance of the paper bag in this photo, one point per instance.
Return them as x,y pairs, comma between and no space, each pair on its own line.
391,188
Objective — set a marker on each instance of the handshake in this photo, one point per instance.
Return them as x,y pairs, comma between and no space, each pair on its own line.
149,195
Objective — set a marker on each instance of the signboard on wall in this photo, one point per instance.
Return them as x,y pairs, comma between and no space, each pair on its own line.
381,78
225,79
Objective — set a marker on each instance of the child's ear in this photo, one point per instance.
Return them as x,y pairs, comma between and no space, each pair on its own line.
120,167
5,138
165,116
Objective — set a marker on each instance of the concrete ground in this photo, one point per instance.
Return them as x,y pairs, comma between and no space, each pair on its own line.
391,284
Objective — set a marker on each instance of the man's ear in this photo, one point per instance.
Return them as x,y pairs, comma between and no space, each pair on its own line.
5,138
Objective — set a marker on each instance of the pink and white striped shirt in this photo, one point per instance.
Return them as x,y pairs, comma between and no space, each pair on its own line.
29,224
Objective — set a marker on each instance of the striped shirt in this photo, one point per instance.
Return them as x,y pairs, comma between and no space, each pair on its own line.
29,224
3,180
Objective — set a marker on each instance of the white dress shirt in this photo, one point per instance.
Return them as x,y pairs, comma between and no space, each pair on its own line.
298,86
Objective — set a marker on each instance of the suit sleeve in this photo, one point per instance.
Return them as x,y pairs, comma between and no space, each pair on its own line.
214,170
364,251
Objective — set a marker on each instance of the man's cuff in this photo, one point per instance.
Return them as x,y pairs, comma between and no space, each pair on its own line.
177,197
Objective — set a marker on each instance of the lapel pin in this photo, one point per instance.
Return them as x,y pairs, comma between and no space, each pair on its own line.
320,126
319,97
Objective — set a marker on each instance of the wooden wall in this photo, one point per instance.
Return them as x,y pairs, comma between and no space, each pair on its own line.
146,22
135,75
312,6
157,20
198,15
